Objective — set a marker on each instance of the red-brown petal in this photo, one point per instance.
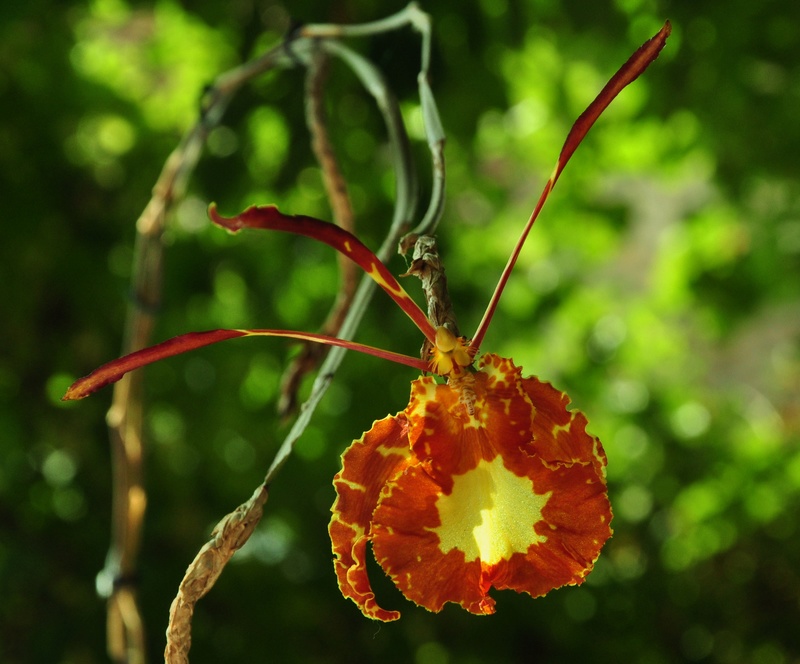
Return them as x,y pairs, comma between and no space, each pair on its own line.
268,217
559,433
476,416
367,465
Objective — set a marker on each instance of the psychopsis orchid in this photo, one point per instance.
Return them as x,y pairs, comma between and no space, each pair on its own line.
486,479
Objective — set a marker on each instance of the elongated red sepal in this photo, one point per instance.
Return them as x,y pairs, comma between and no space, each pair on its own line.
268,217
628,73
116,369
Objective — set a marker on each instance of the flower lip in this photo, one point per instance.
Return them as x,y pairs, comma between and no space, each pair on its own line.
485,481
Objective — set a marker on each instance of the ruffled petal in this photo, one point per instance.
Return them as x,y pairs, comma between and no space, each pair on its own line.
559,433
367,466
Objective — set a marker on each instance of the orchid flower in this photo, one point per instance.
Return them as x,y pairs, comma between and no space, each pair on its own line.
486,479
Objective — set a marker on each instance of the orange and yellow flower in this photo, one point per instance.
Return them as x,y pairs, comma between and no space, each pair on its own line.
486,480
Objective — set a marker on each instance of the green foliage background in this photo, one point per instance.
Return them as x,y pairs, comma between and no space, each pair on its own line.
660,289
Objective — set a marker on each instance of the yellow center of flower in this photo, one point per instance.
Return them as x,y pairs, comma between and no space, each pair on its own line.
490,514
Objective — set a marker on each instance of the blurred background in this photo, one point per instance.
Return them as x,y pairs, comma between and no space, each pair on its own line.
660,289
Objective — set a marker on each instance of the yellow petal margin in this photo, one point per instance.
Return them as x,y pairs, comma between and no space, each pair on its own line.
367,466
487,481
